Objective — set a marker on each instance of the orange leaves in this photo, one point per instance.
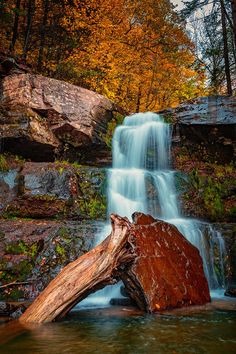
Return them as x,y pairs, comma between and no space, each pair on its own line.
136,52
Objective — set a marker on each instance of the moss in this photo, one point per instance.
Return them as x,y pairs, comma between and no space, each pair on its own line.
18,272
7,161
111,126
16,294
212,197
92,193
2,235
96,208
63,233
23,269
4,166
212,192
60,251
169,118
232,212
44,197
21,247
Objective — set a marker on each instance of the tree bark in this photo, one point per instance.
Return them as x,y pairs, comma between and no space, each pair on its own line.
78,279
30,12
15,26
226,50
233,8
138,98
42,33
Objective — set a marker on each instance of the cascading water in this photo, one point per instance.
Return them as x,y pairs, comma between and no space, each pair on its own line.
141,180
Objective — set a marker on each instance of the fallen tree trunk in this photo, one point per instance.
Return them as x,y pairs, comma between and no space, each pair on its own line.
159,267
90,272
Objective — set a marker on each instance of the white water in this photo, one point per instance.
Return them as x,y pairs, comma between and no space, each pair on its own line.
141,180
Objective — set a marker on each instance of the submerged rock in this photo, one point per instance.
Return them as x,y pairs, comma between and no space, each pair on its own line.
230,292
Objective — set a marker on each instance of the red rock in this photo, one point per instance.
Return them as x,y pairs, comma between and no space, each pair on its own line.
168,270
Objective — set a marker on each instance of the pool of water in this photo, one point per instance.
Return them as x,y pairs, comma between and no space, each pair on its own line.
123,330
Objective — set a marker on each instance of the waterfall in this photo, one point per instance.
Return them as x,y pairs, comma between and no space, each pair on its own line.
141,180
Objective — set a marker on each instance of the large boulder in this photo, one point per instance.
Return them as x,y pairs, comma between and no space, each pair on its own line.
207,127
40,117
167,271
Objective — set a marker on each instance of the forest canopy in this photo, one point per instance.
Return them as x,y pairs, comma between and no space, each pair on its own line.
135,52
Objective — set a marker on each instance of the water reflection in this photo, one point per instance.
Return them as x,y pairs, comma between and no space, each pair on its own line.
101,332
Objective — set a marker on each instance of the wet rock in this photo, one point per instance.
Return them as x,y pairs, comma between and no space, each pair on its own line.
13,309
53,190
8,187
37,207
208,110
228,232
33,252
39,116
168,271
230,292
4,309
122,302
206,126
123,291
18,312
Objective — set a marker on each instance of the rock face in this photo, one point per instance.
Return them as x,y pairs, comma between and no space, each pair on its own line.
229,232
167,272
40,117
207,125
32,253
53,190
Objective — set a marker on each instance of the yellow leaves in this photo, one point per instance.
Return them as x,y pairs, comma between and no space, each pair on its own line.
118,48
132,45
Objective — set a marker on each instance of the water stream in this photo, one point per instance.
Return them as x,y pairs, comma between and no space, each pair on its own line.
141,179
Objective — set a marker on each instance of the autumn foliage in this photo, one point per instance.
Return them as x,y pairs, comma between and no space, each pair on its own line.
135,52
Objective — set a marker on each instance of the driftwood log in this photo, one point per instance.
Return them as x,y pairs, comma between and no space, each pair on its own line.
92,271
159,267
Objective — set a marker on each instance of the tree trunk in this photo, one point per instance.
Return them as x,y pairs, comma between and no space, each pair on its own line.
226,50
159,267
233,8
30,12
42,33
15,26
91,272
138,98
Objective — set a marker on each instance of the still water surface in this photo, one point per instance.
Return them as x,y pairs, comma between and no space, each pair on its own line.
100,331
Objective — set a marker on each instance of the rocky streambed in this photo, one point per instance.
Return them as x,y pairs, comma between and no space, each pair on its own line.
50,211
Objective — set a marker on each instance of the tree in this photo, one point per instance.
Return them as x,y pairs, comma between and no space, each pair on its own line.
15,26
214,40
135,52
